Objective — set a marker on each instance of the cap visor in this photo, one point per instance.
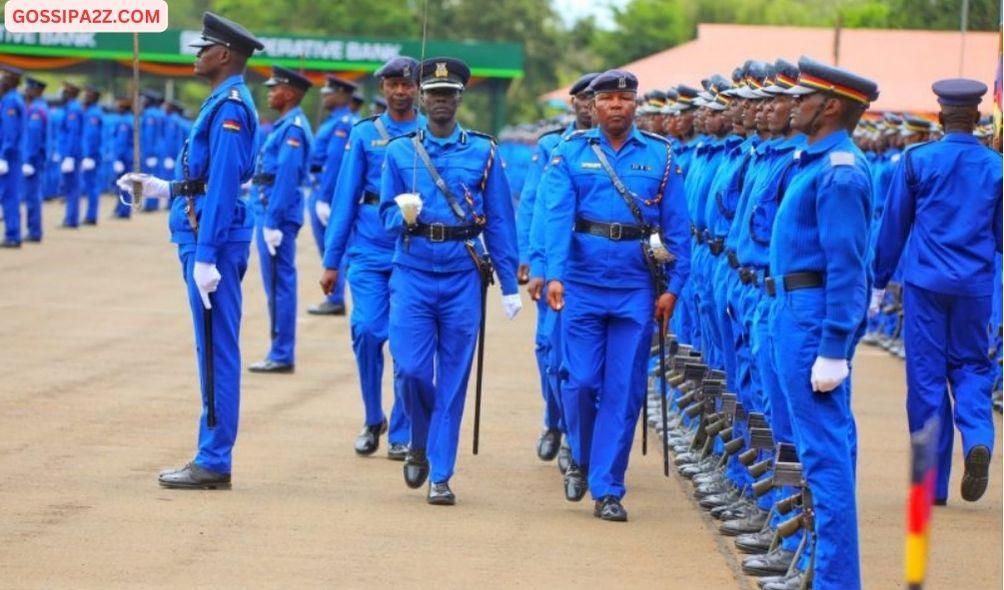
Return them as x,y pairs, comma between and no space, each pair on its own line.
442,84
272,82
800,90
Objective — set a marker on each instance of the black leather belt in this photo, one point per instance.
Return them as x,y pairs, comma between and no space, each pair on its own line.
188,188
611,231
795,281
733,259
698,234
747,276
263,179
370,199
438,232
717,246
315,168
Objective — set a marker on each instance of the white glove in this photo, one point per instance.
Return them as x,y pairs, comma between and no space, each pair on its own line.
151,162
88,164
28,170
55,158
153,187
118,167
272,237
4,168
410,205
511,304
206,278
68,165
876,303
828,374
169,163
323,211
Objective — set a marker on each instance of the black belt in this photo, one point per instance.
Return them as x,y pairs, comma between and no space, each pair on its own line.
795,281
438,232
747,276
370,199
717,246
315,168
263,179
188,188
698,234
611,231
733,259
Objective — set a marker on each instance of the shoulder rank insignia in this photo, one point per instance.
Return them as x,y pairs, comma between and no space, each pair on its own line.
841,159
234,94
293,142
231,125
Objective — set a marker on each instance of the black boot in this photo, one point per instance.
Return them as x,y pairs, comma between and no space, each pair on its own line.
416,468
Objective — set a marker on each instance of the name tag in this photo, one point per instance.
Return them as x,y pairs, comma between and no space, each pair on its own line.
378,142
592,166
641,167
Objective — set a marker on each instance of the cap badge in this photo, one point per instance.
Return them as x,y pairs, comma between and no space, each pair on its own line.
441,71
622,82
406,71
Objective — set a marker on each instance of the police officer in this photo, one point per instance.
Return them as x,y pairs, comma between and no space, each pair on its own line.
936,219
69,149
11,129
91,152
625,263
213,230
175,132
33,152
439,266
325,161
355,238
818,247
151,140
283,166
121,151
529,217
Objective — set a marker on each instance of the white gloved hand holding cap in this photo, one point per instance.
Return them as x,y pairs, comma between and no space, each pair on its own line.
410,205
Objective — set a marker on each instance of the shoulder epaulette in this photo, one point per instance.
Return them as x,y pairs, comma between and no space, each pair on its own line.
577,134
551,132
656,136
235,95
487,136
297,121
363,120
402,136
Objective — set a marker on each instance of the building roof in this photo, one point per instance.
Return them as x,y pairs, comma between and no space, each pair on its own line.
904,63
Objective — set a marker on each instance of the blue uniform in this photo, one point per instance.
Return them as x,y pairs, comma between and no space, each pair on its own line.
355,237
91,135
122,142
11,130
52,178
151,147
435,288
609,291
33,150
284,159
326,160
937,217
822,226
71,146
175,131
218,151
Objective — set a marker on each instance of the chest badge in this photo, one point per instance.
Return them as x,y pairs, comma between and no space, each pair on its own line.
641,167
591,166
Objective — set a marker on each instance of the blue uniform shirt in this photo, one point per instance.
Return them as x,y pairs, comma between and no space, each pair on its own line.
822,226
285,155
13,126
757,220
35,130
353,225
151,140
319,153
575,186
723,200
220,151
537,258
71,130
343,120
462,160
528,196
708,156
944,205
122,138
91,133
759,163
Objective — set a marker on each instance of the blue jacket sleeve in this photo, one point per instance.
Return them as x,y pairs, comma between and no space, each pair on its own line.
391,186
538,229
897,220
527,200
230,153
333,159
345,201
560,203
500,231
843,201
291,162
675,225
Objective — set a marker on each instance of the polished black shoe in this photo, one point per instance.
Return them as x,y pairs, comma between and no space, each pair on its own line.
741,508
977,473
564,456
941,501
793,582
715,500
10,244
711,489
762,582
741,526
610,508
416,468
68,225
397,451
774,563
327,308
756,543
270,366
440,494
193,477
90,222
34,239
575,483
548,444
368,440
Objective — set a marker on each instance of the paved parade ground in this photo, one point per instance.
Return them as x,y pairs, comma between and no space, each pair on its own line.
99,392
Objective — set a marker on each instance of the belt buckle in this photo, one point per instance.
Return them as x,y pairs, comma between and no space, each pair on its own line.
616,232
437,232
770,285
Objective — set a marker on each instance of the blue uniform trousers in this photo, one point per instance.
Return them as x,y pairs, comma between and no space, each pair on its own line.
370,317
71,187
825,437
337,296
89,186
547,349
31,194
721,276
434,320
278,274
606,334
216,444
10,200
946,346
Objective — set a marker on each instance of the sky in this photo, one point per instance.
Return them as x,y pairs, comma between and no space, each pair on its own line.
572,10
